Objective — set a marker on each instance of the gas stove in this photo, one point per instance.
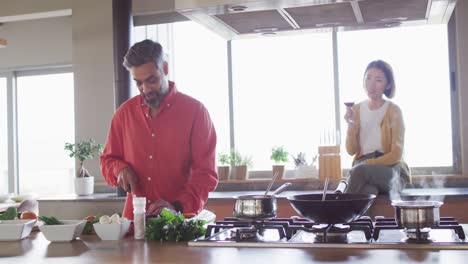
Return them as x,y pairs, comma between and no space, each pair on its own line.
295,232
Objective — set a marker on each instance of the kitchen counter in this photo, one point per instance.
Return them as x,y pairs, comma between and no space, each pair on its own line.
72,206
90,249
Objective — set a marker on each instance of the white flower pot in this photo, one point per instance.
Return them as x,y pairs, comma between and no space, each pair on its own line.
84,185
306,172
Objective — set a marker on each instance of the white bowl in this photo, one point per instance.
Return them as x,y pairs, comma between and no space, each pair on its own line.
18,198
70,230
15,229
112,231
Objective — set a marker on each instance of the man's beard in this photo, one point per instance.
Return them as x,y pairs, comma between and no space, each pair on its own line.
156,97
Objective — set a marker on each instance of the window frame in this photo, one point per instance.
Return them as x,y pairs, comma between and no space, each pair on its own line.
12,114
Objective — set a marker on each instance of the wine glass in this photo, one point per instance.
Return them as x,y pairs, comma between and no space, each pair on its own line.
349,103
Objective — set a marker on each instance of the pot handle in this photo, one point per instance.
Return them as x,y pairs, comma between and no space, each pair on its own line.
342,185
281,188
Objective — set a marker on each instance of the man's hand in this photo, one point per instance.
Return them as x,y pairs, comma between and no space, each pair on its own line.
127,179
156,207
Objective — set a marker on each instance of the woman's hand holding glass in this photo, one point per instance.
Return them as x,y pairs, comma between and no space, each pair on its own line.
350,115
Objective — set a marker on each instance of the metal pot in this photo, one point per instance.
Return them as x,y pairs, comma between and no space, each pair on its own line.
417,214
257,206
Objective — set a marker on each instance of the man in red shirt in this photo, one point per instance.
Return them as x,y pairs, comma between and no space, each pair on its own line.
161,143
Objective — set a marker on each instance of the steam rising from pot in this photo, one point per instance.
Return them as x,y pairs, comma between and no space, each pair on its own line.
396,187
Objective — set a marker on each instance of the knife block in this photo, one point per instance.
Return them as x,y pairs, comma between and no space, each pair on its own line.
329,162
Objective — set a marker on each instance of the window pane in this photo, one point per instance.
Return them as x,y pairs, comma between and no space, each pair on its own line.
420,65
200,70
283,94
4,137
45,123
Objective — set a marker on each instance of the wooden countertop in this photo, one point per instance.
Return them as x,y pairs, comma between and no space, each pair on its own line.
90,249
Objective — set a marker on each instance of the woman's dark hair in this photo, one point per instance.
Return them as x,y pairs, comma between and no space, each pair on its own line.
388,71
143,52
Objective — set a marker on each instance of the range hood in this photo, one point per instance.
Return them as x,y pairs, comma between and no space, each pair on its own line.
237,19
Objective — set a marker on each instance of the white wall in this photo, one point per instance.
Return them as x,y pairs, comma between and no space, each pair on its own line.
36,42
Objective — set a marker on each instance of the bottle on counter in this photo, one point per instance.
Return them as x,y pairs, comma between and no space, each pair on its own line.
139,210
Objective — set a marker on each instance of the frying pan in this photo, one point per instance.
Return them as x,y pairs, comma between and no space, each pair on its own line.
338,208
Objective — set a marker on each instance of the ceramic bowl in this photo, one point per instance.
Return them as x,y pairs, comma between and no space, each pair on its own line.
15,229
112,231
18,198
70,230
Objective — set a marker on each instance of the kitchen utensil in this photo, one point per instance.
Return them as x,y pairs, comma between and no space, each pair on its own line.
325,187
271,183
281,188
257,206
338,208
417,214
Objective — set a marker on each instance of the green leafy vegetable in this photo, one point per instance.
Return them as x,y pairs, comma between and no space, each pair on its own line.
173,227
50,220
89,229
10,214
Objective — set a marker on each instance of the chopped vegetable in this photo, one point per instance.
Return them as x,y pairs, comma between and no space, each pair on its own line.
10,214
173,227
50,220
89,229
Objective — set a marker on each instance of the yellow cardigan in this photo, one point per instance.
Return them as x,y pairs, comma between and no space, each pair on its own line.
393,138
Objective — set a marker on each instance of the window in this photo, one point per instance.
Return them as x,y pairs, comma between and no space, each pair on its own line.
45,105
4,137
199,68
283,90
420,65
283,94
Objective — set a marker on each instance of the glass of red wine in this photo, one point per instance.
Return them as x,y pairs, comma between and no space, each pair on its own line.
349,105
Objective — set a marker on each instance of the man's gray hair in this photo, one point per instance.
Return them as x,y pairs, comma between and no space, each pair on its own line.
144,52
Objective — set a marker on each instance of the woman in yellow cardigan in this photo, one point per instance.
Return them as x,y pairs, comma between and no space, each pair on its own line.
375,136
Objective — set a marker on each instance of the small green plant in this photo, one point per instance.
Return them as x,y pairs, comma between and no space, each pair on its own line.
279,154
84,150
237,159
224,159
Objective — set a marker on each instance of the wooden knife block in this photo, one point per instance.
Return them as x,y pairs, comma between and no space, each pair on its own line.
329,162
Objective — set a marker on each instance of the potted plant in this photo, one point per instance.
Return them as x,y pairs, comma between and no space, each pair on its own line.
304,170
224,162
240,165
279,155
82,151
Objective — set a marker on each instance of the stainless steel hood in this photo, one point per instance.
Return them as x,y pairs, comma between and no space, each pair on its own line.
235,19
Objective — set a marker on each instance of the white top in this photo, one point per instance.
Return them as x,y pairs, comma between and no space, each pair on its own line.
370,137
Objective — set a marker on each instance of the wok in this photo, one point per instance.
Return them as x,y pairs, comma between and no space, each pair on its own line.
338,208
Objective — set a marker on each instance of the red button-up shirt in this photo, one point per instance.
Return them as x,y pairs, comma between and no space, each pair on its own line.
172,153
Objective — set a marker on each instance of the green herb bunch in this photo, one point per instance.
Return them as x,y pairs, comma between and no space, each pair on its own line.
279,154
173,227
83,150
